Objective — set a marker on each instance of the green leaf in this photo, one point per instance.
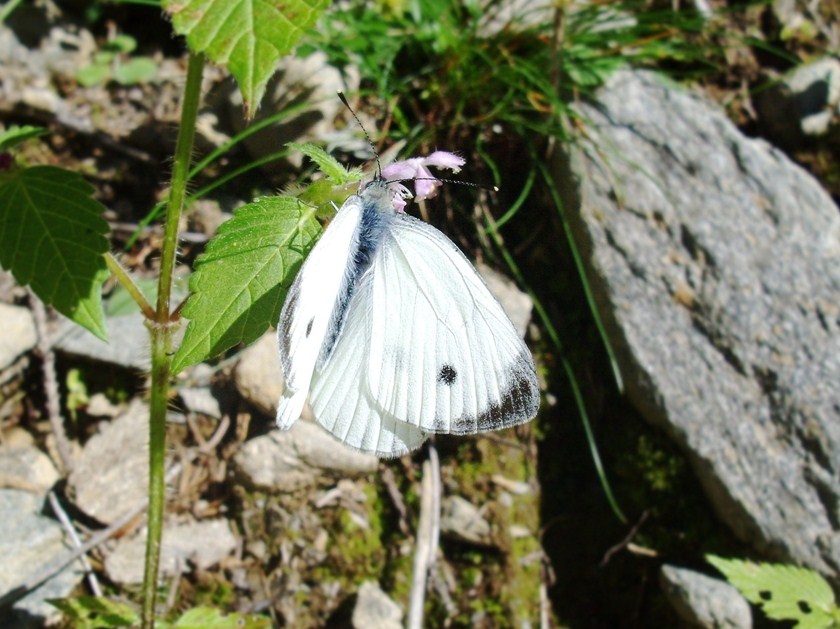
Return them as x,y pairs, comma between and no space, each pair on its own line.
241,280
15,135
248,36
52,237
122,43
90,612
336,173
209,618
93,74
135,71
784,592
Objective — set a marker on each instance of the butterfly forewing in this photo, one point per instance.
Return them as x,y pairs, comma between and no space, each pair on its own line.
308,311
443,354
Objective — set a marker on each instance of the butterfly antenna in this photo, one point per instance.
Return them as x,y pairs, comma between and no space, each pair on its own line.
362,127
469,184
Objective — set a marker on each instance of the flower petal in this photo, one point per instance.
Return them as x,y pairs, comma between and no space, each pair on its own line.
445,159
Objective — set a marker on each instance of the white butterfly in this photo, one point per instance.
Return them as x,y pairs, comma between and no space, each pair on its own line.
392,335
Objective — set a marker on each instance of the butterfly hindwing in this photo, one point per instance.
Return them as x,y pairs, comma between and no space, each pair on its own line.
341,398
443,356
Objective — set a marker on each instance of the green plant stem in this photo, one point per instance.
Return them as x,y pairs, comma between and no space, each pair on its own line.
128,284
7,9
161,330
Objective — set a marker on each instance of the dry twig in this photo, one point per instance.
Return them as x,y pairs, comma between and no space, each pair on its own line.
428,532
53,401
55,505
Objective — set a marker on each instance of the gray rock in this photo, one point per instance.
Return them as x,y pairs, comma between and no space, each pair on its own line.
128,346
460,519
288,460
258,376
112,474
199,544
517,305
375,610
703,601
29,542
26,468
19,334
716,266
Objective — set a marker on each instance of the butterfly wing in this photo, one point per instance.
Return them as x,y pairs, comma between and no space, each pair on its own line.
341,397
307,315
443,355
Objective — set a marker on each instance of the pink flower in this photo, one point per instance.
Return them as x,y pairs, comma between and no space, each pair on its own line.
416,169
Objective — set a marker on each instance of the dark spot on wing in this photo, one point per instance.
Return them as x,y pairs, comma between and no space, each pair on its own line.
447,375
309,327
519,403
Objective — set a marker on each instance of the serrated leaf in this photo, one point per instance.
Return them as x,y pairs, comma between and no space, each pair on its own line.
247,36
15,135
135,71
336,173
241,280
52,237
209,618
89,612
784,592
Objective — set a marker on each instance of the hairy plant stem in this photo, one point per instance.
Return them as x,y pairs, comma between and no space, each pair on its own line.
161,330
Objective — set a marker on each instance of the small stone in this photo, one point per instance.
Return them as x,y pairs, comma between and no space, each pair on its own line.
704,601
312,75
112,474
288,460
19,335
809,96
460,519
129,346
516,487
258,376
17,437
206,216
201,400
100,406
199,544
26,468
375,610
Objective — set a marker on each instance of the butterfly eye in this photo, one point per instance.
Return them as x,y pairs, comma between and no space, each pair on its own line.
447,375
309,327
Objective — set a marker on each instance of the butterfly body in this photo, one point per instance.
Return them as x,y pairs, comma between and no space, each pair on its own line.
392,334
